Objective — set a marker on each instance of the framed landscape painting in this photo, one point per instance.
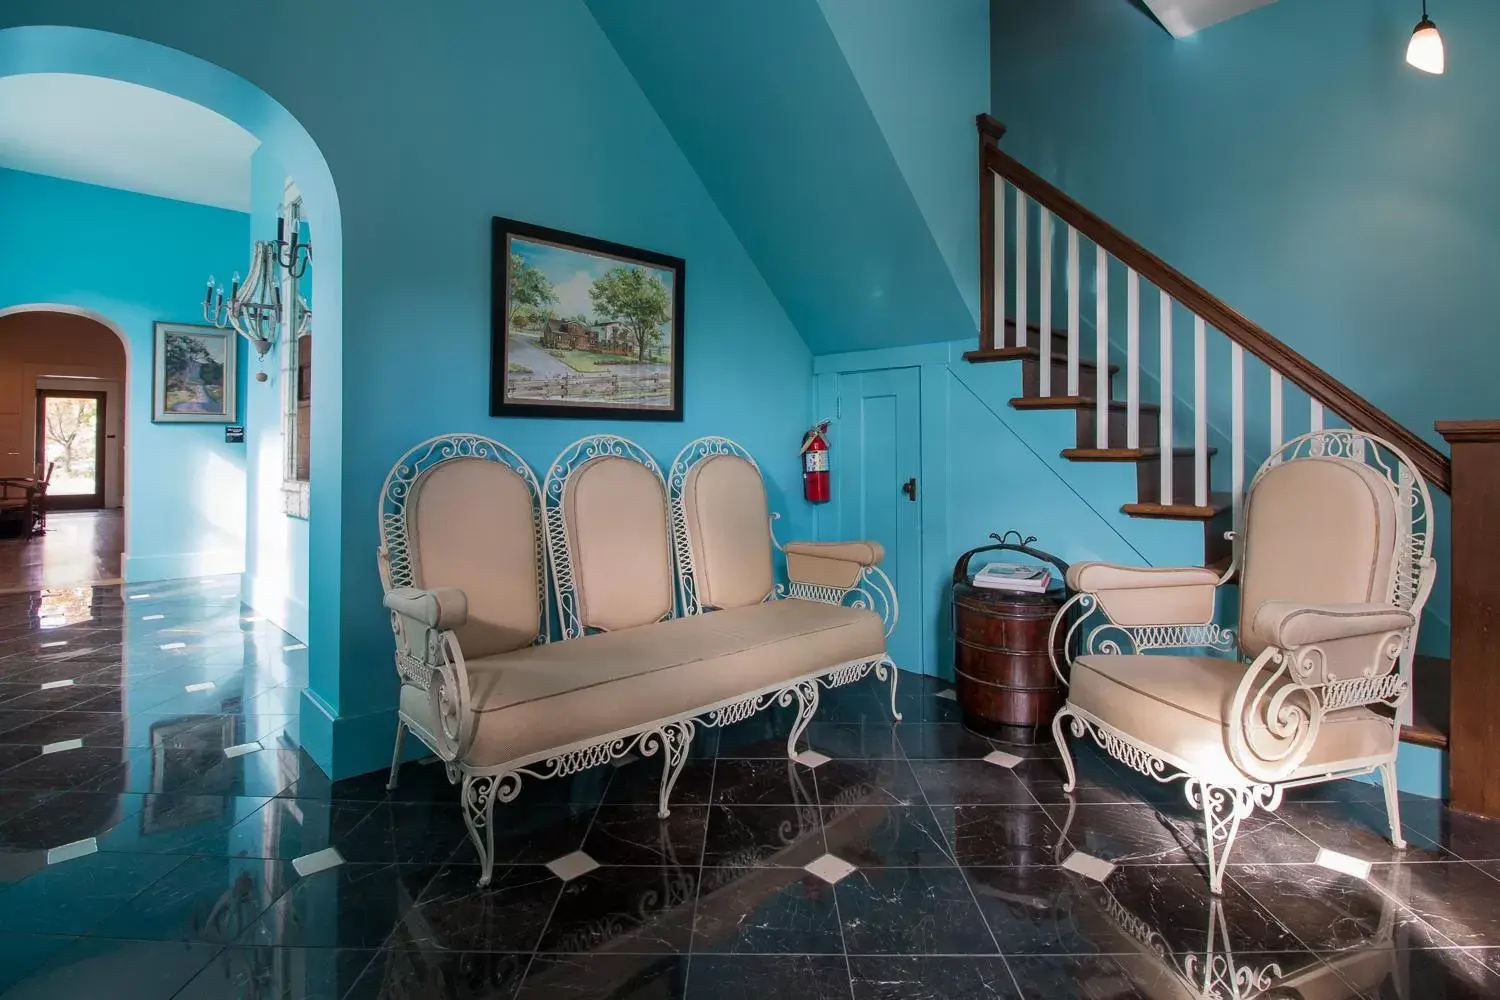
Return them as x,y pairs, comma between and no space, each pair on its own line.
583,328
193,377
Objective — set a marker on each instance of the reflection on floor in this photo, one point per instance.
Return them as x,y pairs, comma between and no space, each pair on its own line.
80,547
906,866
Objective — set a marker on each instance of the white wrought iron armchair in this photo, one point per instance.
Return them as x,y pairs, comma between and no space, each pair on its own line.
1334,569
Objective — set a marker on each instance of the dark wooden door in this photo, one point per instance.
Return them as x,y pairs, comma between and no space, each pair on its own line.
70,438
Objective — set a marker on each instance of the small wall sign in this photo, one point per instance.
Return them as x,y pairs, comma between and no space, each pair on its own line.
234,434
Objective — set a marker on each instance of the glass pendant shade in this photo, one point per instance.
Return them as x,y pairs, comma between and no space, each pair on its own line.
1425,50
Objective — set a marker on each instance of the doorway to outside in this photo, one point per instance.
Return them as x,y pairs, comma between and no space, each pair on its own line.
70,447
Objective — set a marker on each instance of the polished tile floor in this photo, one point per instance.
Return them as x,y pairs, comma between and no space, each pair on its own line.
149,825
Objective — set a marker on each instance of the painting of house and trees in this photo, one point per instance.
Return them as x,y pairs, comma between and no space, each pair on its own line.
584,328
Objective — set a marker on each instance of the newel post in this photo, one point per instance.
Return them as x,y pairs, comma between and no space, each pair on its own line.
1474,735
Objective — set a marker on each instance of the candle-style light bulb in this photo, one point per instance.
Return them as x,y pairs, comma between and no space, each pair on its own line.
208,295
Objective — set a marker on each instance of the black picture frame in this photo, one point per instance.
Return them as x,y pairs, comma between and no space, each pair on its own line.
579,356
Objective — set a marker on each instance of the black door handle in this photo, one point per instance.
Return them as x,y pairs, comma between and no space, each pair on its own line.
910,488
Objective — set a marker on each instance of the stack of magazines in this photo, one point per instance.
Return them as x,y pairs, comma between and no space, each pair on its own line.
1026,578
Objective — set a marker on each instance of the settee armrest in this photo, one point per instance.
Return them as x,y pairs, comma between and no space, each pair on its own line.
441,607
1290,623
831,564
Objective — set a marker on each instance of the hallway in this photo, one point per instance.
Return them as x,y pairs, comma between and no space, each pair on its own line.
80,548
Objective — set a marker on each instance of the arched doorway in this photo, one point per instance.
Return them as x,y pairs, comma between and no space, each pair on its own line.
70,50
63,378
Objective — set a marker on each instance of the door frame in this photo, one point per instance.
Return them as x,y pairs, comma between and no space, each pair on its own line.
77,501
913,600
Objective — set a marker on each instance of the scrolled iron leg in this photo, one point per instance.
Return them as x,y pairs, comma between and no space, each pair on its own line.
894,672
675,739
390,784
807,705
1392,804
478,798
1223,808
1062,748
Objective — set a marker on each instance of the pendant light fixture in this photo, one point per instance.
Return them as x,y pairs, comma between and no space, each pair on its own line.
1425,50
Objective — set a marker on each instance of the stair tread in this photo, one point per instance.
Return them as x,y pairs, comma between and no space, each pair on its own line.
1073,403
1124,454
1026,354
1217,504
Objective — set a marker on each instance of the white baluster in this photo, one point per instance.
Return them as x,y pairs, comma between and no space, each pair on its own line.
1045,306
1075,279
1021,258
998,278
1132,359
1315,425
1275,410
1166,398
1237,429
1101,348
1200,412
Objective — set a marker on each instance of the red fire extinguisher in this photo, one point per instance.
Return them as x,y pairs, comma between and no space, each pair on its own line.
815,482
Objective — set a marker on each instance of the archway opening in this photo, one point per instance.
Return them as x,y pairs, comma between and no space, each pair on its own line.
63,405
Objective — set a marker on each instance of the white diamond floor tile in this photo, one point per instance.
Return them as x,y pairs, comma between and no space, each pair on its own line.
571,866
200,686
293,647
61,745
318,861
1335,861
1089,866
1002,759
811,758
50,685
830,868
174,645
949,695
152,618
240,749
77,849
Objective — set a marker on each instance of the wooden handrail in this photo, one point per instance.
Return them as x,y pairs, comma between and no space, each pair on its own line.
1360,412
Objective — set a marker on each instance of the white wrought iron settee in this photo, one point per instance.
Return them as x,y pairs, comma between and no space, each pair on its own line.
469,540
1334,569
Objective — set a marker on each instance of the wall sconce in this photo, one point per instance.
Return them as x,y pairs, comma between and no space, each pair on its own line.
1425,50
292,255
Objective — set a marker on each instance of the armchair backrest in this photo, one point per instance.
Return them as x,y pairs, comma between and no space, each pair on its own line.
464,511
721,526
1334,517
607,536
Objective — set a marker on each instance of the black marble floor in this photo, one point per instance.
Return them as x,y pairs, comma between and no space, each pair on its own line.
145,862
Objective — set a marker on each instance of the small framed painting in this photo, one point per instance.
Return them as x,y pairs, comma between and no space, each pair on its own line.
583,328
193,380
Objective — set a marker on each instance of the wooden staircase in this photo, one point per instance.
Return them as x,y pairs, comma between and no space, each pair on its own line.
1061,370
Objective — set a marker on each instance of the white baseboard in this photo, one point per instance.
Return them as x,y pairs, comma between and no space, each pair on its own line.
182,565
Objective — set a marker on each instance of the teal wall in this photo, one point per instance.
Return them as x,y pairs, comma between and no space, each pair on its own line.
1289,161
924,71
815,138
277,574
134,260
391,98
987,467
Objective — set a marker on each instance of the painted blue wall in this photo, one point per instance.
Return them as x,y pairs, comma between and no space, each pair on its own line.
989,468
398,102
1289,161
135,260
924,70
277,573
817,185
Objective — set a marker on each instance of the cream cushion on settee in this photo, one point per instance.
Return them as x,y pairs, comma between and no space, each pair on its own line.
1184,703
551,695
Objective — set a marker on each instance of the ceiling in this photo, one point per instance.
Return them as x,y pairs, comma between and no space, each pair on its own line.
122,135
1185,17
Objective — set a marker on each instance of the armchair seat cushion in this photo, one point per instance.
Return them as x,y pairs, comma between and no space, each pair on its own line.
542,697
1180,705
